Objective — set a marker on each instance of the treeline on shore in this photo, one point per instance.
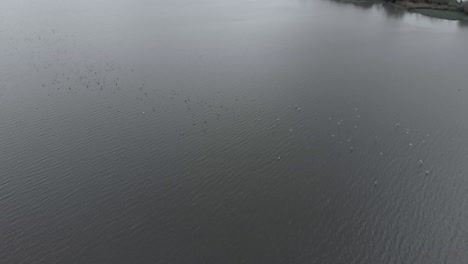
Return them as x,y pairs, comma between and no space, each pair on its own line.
449,5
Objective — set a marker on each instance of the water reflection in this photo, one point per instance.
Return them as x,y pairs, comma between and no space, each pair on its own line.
359,4
393,12
463,24
389,9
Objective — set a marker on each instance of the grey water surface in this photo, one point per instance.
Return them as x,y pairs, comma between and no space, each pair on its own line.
231,131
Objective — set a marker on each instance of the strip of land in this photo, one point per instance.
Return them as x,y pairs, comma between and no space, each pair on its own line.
448,5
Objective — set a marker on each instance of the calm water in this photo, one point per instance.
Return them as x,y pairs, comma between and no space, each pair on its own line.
221,131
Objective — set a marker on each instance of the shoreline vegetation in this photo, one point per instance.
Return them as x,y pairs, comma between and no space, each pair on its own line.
443,9
430,4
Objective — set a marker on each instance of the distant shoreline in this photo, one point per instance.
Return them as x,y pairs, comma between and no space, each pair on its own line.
442,9
422,5
450,10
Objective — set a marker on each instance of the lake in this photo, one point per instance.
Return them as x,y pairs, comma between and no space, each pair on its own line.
221,131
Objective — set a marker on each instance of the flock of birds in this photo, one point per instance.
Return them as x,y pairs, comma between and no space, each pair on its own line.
397,125
75,71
